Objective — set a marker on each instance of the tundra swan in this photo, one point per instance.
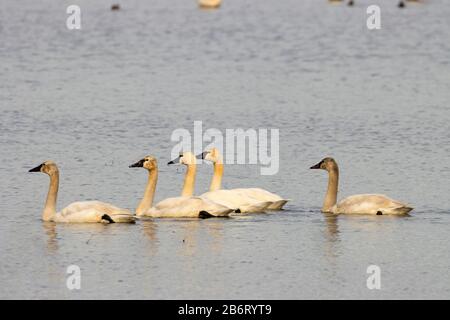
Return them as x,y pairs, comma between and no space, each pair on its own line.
87,211
257,198
185,206
358,204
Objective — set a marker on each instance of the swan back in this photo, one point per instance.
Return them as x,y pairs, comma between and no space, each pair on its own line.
276,202
93,211
371,204
186,207
236,199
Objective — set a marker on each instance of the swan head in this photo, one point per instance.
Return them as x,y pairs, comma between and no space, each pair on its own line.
186,158
148,162
327,164
48,167
212,155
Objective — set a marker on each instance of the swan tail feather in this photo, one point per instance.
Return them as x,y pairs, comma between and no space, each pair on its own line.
277,205
403,210
123,218
259,207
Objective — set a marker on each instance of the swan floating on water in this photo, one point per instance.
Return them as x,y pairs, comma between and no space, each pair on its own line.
229,198
247,199
77,212
185,206
376,204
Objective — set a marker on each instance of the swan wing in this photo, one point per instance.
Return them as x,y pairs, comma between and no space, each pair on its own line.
186,207
172,202
371,204
93,211
236,199
264,195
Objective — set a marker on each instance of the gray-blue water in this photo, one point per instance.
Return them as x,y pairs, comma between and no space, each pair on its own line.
98,99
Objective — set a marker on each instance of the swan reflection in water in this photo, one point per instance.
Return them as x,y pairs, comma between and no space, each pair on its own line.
52,237
332,237
150,229
196,234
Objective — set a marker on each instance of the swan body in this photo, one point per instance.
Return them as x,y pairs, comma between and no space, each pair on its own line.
370,204
78,212
92,211
247,199
185,206
275,201
235,199
374,204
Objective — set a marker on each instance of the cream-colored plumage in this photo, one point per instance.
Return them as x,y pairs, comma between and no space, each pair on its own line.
78,212
370,204
276,202
376,204
92,211
246,199
186,206
209,4
234,199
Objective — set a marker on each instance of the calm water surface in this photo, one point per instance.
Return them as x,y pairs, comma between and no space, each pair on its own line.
99,99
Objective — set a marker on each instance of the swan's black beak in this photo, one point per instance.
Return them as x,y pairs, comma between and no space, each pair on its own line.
174,161
202,155
317,166
138,164
37,169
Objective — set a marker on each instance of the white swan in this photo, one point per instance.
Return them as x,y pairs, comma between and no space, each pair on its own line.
209,4
257,199
87,211
358,204
185,206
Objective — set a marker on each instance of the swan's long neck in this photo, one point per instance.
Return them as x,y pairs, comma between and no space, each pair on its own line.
216,182
50,203
149,193
332,190
189,181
